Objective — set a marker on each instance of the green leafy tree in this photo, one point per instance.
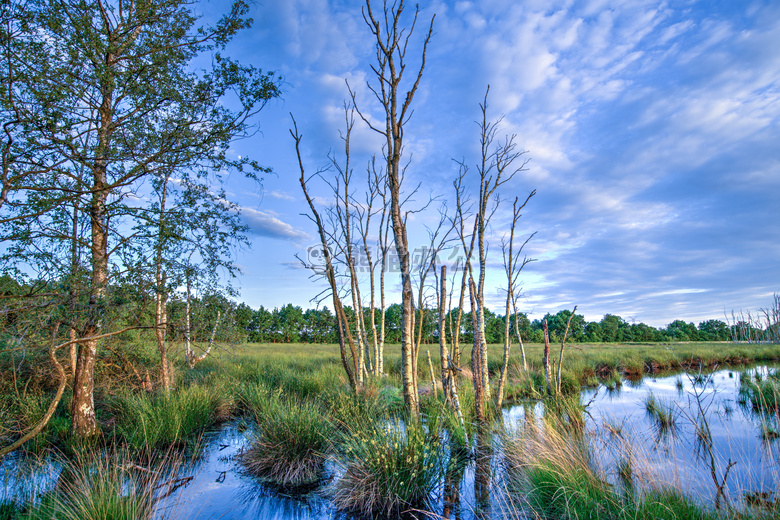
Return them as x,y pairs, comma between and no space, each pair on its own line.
593,332
713,330
679,330
108,95
612,328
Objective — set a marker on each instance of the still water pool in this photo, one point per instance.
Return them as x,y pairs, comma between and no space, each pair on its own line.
618,425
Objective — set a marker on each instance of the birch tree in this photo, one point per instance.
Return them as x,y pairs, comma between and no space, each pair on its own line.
513,265
499,162
395,94
115,93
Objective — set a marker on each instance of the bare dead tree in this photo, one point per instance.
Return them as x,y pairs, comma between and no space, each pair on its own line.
383,242
513,265
392,41
499,163
444,353
563,346
375,186
546,357
346,340
438,240
517,331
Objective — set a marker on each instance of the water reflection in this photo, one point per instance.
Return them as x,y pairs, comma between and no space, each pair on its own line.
714,425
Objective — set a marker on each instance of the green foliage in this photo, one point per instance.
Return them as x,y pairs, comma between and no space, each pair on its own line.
9,510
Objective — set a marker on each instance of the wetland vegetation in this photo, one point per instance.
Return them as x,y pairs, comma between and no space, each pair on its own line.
298,430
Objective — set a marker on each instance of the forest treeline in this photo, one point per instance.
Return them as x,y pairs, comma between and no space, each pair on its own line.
293,324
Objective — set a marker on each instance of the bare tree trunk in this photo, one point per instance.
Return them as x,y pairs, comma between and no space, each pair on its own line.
345,334
433,375
452,376
546,357
517,332
161,323
512,268
507,346
188,353
194,360
380,363
444,354
390,48
476,358
563,345
84,423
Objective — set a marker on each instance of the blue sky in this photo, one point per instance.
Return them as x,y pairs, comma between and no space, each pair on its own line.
652,129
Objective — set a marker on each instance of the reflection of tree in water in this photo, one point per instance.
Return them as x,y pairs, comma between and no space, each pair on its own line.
452,479
483,454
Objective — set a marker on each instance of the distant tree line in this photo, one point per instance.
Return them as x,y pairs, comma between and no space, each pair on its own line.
292,324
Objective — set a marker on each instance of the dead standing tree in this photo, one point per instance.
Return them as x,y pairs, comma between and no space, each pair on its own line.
392,42
346,339
513,265
499,163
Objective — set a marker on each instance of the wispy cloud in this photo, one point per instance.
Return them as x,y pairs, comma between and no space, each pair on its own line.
268,224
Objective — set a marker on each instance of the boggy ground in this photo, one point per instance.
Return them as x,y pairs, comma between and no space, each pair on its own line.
297,400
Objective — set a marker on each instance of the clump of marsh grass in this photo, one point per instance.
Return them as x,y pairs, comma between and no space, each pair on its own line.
346,407
663,414
109,486
613,427
157,421
613,380
763,394
551,472
291,444
388,468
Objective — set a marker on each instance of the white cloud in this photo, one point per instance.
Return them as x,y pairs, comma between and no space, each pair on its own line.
268,224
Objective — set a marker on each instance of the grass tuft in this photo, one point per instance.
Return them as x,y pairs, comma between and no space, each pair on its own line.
156,421
109,486
387,468
291,444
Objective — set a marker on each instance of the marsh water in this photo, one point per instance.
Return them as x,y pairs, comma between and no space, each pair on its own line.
617,424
